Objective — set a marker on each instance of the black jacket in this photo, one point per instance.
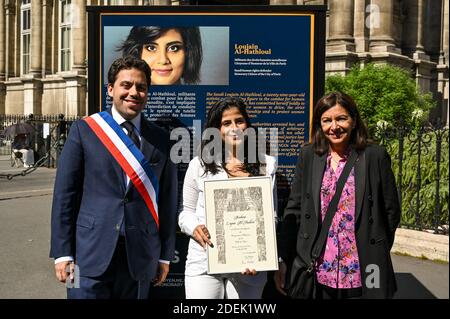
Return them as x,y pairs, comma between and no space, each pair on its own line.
377,216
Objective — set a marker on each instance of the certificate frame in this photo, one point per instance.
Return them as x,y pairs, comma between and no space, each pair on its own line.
241,222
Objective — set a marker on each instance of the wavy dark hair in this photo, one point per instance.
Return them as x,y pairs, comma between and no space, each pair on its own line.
214,120
359,137
142,35
127,63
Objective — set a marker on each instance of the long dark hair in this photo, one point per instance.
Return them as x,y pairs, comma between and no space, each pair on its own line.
214,120
141,35
359,137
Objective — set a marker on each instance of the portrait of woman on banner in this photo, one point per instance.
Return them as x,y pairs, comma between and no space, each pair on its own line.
174,54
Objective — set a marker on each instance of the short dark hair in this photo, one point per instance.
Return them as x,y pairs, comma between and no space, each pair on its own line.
359,136
214,120
127,63
142,35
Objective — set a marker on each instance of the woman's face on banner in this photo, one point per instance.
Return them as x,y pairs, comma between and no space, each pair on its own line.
165,56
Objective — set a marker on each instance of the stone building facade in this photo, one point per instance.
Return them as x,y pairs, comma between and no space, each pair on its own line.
43,47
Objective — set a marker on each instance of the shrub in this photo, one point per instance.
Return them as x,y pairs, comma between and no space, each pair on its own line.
382,93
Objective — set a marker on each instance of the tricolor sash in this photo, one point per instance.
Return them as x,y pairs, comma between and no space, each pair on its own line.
128,156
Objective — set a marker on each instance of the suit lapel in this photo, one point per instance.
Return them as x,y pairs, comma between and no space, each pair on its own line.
360,182
319,163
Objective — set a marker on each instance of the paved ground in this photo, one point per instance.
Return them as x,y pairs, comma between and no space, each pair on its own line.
27,272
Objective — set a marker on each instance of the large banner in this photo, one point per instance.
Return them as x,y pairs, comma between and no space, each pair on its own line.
272,57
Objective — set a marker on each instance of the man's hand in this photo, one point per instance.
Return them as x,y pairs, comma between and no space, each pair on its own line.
201,236
61,271
163,270
279,278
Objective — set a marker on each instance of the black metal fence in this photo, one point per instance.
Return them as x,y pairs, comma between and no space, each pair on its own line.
46,141
420,161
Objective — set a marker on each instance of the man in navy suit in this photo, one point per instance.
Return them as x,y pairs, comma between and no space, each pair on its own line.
110,219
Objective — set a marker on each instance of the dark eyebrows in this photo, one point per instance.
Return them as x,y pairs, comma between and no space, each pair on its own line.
125,83
140,86
175,42
237,119
167,44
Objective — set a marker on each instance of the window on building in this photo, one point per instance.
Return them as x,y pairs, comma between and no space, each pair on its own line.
65,31
25,31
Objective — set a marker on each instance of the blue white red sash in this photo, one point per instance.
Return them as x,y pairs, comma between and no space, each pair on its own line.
128,156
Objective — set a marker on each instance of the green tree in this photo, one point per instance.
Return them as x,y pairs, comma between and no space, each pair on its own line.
383,93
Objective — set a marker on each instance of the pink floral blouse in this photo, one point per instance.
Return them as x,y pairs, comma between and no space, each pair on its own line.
338,267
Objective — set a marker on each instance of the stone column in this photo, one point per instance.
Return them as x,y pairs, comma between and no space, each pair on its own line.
445,35
360,31
442,68
47,31
10,47
340,49
409,39
2,41
130,2
2,57
382,24
340,37
420,21
79,36
36,38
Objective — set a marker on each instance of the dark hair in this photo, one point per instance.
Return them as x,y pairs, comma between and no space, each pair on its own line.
214,120
141,35
127,63
359,135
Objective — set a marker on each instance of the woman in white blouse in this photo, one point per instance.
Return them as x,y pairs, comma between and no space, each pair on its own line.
229,116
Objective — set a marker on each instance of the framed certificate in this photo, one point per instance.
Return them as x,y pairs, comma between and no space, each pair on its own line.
241,221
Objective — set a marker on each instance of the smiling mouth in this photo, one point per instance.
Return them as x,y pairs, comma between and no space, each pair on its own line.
162,71
339,135
135,102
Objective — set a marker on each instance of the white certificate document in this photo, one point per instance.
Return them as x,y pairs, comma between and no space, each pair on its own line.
241,221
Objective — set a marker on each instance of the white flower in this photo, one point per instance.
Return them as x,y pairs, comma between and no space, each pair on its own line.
417,114
382,125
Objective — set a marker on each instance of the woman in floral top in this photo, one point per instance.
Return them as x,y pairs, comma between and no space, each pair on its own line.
355,261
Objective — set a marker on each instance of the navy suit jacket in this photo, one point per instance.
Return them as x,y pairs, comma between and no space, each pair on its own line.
91,199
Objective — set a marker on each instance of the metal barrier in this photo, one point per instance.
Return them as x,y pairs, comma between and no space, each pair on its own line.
47,140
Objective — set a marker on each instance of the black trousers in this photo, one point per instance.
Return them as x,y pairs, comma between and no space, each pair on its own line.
115,283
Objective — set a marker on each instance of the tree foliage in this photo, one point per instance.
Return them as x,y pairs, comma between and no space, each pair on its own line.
389,100
382,93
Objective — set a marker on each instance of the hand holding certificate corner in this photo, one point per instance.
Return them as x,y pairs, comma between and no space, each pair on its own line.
240,221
